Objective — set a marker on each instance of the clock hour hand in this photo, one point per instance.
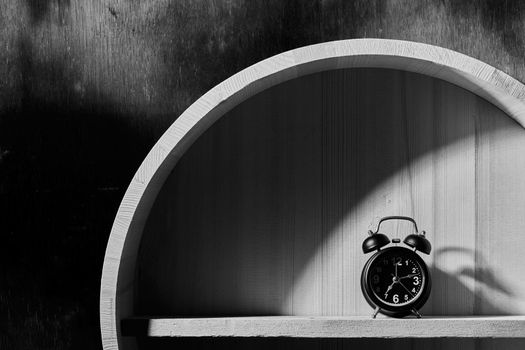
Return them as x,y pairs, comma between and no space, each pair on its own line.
389,288
408,276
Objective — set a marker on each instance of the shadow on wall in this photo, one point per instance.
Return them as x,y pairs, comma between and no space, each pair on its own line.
260,202
475,289
39,9
64,166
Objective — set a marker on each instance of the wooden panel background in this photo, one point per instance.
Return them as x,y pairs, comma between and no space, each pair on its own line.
265,214
87,87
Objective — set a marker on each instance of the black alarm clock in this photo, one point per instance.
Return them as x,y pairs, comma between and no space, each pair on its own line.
395,280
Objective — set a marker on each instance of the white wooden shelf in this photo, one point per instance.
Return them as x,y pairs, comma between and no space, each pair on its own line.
328,327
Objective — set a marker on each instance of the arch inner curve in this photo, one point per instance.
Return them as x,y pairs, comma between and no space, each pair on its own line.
117,294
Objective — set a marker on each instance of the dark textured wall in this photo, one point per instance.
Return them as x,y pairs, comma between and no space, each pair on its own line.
86,87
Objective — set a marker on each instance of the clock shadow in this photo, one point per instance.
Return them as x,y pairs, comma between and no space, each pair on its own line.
473,288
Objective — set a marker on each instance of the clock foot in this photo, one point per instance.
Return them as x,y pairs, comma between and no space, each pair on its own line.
416,313
375,312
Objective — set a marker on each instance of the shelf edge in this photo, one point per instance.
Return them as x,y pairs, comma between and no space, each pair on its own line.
328,327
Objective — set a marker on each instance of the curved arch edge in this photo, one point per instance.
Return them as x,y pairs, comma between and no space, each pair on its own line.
116,295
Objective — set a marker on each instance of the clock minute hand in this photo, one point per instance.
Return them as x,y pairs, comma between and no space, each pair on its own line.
395,264
409,292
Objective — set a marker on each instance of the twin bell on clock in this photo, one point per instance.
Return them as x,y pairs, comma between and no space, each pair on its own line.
395,280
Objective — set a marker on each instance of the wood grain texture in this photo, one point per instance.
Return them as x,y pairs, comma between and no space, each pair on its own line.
329,327
266,212
118,275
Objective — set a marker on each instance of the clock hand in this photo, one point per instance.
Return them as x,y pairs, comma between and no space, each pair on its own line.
409,292
395,264
408,276
388,289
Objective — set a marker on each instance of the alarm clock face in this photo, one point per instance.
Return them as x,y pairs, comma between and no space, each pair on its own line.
396,279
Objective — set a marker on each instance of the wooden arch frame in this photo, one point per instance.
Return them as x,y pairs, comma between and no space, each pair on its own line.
116,295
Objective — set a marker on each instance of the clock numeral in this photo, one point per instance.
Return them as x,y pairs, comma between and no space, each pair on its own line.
416,280
379,269
375,279
378,290
413,290
397,260
414,270
395,298
406,297
406,262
